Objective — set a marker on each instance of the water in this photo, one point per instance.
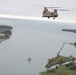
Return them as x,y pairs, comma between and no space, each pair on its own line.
39,40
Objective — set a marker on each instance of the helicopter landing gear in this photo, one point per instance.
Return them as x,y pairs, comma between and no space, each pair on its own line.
53,17
48,17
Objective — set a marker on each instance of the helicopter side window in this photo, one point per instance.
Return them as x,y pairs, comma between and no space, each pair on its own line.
44,11
51,13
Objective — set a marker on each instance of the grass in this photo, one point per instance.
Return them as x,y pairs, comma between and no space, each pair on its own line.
61,70
58,60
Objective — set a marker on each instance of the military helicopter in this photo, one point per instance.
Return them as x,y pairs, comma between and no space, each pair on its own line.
54,13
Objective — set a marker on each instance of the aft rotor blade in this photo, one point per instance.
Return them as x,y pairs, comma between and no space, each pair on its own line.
64,10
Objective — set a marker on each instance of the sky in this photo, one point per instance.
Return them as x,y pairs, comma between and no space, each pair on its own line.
39,40
28,8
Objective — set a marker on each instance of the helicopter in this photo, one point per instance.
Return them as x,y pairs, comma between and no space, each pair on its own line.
53,14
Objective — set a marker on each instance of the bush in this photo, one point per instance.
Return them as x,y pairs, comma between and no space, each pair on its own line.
72,67
56,67
59,74
52,70
70,64
67,65
48,70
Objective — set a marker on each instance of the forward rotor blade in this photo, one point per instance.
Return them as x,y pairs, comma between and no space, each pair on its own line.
45,6
38,5
53,7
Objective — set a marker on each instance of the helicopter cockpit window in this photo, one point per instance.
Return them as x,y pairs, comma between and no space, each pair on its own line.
45,9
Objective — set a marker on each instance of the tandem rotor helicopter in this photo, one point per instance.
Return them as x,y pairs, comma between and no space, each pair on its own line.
53,14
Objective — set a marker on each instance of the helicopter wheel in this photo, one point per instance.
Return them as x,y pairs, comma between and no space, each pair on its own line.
48,17
53,17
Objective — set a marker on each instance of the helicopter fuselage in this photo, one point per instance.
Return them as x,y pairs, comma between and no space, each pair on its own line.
49,14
